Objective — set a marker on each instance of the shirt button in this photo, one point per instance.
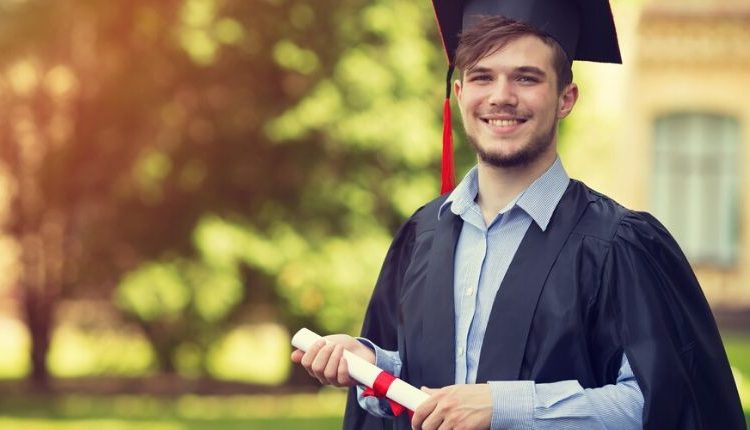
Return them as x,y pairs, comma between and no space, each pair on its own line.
460,351
469,291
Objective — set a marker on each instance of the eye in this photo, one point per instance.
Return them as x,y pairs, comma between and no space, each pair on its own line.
527,79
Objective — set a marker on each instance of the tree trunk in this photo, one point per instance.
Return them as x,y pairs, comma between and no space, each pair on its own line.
163,344
38,313
41,288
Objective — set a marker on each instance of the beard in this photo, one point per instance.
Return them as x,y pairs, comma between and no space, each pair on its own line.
536,146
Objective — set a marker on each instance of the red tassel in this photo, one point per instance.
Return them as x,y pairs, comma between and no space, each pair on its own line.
447,175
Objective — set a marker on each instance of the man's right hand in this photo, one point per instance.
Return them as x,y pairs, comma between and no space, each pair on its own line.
324,360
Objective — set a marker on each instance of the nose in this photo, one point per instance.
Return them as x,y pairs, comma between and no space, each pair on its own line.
503,94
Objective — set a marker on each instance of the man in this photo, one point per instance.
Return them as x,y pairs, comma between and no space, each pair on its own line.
524,299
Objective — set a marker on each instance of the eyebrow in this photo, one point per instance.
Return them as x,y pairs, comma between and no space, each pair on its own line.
532,70
521,69
479,69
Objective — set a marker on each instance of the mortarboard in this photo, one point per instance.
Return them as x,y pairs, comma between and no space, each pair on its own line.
583,28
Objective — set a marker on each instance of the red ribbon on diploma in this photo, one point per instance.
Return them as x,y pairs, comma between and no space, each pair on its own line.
380,388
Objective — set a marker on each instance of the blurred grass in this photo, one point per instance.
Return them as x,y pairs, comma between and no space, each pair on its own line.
178,424
74,412
738,349
120,424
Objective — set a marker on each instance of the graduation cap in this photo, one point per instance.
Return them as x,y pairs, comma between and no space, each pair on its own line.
584,29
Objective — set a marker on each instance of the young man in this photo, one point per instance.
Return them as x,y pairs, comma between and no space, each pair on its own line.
524,299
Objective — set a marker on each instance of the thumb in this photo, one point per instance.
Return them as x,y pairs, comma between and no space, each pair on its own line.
429,390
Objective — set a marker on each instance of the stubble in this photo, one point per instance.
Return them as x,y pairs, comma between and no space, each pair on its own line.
523,157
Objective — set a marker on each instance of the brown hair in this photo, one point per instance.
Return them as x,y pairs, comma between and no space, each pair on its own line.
491,33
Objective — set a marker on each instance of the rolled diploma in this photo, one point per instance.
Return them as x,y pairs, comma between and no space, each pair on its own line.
365,373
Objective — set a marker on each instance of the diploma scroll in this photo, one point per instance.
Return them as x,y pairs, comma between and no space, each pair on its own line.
365,373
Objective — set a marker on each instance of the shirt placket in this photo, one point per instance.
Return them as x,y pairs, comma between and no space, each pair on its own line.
467,294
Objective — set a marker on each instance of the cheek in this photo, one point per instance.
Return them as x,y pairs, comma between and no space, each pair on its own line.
476,104
472,95
468,104
544,105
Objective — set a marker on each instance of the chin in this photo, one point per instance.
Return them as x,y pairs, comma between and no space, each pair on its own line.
507,161
521,157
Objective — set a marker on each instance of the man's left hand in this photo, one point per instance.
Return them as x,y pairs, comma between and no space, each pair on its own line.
455,407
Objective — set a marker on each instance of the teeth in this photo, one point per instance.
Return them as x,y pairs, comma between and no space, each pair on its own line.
503,122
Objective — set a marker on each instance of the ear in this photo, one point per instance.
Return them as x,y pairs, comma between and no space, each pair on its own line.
457,89
567,100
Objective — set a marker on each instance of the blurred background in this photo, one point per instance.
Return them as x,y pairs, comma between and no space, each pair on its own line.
185,183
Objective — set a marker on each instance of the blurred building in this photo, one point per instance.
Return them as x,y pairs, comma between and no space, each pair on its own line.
687,136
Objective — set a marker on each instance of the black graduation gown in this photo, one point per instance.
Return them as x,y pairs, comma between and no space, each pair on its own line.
599,281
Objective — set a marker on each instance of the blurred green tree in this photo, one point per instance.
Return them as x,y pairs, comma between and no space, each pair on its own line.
214,161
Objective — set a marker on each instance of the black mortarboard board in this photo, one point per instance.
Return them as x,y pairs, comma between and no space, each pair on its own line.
583,28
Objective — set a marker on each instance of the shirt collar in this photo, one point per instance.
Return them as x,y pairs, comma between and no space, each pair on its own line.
539,200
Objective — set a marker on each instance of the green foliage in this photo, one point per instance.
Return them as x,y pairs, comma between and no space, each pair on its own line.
251,353
165,290
76,353
183,305
223,163
154,291
314,276
15,344
358,136
383,94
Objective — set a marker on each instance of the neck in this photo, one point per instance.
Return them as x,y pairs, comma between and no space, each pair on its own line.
499,185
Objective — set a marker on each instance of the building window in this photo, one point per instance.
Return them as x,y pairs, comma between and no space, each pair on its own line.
695,185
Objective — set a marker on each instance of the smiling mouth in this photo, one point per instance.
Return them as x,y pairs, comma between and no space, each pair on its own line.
503,122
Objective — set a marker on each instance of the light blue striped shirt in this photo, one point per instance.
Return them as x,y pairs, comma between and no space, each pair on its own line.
483,254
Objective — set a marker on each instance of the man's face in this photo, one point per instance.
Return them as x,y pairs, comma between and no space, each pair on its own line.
510,104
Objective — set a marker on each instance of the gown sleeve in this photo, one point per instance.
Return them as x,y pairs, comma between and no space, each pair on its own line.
381,319
665,326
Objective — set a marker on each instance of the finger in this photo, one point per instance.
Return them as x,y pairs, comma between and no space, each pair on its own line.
321,361
309,356
429,391
422,412
343,373
297,355
438,417
445,425
433,421
331,370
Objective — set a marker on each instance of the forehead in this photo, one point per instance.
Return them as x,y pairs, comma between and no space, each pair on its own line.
522,51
